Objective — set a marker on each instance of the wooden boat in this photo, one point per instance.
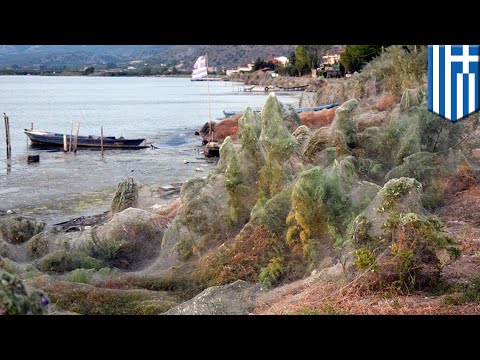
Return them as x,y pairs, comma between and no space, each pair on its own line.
44,138
229,113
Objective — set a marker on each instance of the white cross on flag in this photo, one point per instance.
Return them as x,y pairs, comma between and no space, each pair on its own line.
200,68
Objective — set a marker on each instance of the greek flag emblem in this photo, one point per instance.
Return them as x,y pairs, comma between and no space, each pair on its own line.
453,80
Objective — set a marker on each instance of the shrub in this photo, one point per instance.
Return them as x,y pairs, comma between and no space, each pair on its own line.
318,212
125,196
272,273
364,260
15,300
19,229
62,261
3,249
83,276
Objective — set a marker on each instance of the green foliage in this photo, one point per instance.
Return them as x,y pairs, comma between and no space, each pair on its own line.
401,67
126,247
272,213
302,60
10,266
317,203
184,247
361,230
355,57
89,300
83,276
251,156
394,190
125,196
271,179
470,294
315,53
406,266
364,260
15,300
433,196
63,261
415,239
344,127
19,229
272,273
146,70
174,281
37,246
275,138
3,249
104,248
239,200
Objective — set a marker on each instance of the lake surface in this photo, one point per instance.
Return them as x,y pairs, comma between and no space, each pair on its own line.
165,111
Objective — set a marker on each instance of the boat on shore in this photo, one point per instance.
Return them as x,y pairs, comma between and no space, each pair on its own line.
229,113
44,138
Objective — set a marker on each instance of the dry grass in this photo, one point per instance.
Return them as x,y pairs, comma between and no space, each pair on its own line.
331,298
316,119
385,102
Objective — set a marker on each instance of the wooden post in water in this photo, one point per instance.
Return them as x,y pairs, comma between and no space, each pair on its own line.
71,134
76,138
31,126
65,145
101,139
7,136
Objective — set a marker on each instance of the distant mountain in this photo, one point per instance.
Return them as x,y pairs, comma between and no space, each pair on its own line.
73,56
78,56
220,55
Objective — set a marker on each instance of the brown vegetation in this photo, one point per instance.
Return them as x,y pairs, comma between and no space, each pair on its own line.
222,129
315,119
385,102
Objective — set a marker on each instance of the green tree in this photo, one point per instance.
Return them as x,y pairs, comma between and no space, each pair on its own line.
292,60
146,70
315,53
355,57
302,60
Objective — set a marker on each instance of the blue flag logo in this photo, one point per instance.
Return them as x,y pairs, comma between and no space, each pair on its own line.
453,80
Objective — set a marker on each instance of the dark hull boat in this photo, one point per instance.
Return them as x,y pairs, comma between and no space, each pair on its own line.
43,138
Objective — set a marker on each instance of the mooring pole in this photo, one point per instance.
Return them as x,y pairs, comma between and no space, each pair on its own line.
71,135
65,145
101,139
7,135
76,138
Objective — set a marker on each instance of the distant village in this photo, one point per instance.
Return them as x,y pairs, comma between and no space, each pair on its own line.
327,66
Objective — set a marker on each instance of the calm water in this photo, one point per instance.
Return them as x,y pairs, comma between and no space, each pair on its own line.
165,111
